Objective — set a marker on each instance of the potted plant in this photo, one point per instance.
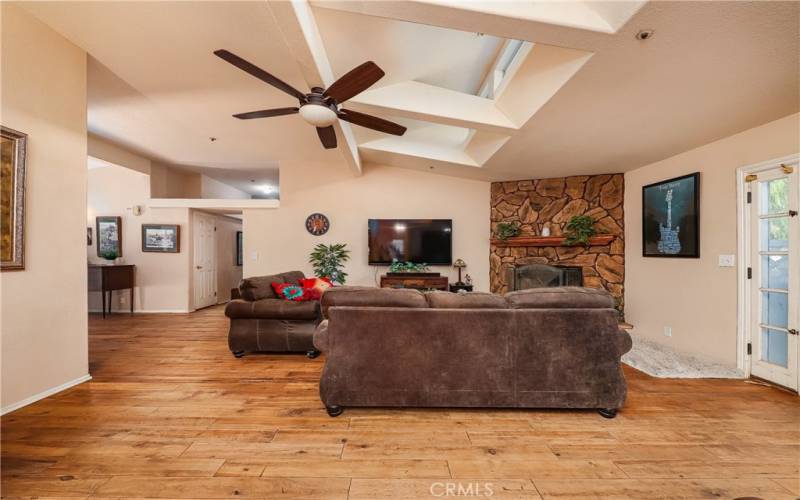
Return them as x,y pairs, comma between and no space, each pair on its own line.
328,261
579,230
110,256
506,230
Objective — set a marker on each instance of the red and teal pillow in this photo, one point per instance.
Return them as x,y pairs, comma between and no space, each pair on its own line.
288,291
307,289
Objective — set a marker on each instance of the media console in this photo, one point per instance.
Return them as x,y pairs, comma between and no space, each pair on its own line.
419,281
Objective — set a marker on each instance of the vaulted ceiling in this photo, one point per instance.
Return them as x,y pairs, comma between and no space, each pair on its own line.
581,95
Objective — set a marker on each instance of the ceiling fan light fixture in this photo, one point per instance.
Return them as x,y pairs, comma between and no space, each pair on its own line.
318,115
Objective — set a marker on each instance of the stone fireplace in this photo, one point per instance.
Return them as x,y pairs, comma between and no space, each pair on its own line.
535,204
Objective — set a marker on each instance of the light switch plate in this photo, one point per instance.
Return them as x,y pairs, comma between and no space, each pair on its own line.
727,260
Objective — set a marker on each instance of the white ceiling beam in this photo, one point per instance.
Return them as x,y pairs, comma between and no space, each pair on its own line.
578,25
430,103
302,38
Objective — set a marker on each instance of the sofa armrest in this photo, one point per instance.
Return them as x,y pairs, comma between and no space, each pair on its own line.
238,308
623,341
278,309
321,336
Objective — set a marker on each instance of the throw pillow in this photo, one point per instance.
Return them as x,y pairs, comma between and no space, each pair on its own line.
318,284
289,291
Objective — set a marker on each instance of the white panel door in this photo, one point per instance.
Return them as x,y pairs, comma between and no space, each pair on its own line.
774,255
205,261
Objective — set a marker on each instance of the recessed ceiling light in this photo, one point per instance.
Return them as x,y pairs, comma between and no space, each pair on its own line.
212,139
645,34
266,188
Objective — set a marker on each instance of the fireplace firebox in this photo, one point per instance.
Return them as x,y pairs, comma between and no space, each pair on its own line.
541,275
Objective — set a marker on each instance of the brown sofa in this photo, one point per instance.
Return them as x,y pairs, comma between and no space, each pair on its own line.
538,348
260,321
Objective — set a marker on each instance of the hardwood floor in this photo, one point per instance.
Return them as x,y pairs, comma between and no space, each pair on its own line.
171,414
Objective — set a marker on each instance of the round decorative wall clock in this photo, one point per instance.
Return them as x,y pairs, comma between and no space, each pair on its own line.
317,224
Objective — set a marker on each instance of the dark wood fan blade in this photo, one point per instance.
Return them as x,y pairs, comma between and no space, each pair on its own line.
259,73
266,113
327,135
356,81
372,122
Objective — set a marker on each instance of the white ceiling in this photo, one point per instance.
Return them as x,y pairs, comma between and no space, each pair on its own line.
711,70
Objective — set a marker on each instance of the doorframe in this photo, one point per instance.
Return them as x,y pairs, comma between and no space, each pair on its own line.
745,258
193,296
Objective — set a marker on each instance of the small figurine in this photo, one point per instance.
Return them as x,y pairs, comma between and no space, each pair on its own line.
468,279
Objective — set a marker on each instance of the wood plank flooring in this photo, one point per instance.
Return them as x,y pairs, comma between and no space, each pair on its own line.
171,414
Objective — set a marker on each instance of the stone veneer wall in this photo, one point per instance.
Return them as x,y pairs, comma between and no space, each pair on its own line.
552,202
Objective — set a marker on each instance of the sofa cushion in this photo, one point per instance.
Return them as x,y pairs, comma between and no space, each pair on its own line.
364,296
260,287
472,300
560,298
272,309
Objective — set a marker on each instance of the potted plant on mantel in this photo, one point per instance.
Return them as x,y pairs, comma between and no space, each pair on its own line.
579,230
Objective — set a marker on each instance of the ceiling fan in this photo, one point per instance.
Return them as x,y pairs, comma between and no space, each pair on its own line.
320,108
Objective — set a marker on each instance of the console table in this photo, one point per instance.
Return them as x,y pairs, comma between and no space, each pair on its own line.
106,279
417,281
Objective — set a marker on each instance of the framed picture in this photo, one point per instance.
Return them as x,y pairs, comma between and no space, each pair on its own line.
12,199
108,231
671,217
239,249
88,236
164,238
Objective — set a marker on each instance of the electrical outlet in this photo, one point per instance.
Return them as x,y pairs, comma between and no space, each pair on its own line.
668,331
727,261
254,255
123,300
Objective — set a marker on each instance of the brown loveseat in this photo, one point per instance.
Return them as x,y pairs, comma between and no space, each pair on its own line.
538,348
260,321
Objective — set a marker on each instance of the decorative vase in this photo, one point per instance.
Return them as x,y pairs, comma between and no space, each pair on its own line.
546,231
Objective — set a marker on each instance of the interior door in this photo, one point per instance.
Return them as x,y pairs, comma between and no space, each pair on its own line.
774,255
205,271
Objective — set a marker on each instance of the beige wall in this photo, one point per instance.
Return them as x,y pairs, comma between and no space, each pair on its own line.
282,243
228,273
162,279
214,189
696,297
44,320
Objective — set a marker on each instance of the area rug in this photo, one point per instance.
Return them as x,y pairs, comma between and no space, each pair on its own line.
660,361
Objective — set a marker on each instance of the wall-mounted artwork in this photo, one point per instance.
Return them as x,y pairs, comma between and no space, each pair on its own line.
12,199
165,238
88,236
239,249
671,217
108,233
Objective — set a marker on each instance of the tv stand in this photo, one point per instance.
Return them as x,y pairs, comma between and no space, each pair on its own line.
418,281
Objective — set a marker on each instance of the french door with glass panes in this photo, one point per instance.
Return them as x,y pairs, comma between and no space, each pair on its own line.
775,270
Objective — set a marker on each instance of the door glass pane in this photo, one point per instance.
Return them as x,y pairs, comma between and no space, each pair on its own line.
775,347
775,196
775,309
775,272
775,234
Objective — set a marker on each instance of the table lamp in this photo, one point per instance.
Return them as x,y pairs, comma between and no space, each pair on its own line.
459,264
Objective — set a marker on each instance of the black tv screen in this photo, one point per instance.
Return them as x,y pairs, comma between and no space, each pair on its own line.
411,240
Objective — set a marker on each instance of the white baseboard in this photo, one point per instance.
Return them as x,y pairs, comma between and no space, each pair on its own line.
143,311
44,394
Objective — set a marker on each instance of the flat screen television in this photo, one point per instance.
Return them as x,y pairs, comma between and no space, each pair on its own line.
411,240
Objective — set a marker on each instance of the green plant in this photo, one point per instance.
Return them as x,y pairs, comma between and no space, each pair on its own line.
506,230
407,267
579,229
109,254
328,261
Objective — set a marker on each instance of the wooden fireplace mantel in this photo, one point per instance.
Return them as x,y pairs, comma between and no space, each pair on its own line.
548,241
